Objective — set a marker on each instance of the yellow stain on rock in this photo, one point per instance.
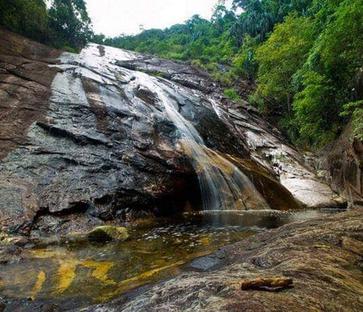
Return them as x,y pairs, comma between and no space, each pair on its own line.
138,280
67,268
147,276
221,163
66,274
205,241
100,271
38,284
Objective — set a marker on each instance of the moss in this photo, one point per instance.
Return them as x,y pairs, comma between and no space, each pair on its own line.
100,270
232,94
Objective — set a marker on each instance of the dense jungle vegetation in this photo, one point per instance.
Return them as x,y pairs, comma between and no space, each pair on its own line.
304,56
60,23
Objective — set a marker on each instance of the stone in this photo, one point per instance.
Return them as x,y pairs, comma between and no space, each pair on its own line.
342,160
107,233
205,263
267,283
353,245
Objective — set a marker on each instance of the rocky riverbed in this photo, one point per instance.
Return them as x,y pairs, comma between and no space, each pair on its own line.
95,142
322,258
77,272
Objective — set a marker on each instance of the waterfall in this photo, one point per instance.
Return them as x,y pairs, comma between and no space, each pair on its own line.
223,185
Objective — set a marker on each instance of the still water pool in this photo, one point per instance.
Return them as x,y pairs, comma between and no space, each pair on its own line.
75,275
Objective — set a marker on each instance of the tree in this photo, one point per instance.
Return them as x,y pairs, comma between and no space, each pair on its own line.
279,58
222,19
244,63
327,77
65,25
26,17
260,16
70,22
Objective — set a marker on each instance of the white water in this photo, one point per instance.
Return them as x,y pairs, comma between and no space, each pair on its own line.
223,185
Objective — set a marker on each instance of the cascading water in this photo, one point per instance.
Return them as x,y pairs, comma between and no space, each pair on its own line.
223,185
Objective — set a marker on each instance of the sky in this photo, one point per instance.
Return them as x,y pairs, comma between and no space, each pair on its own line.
115,17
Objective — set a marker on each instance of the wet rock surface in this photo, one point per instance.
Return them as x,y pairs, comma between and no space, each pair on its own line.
271,150
321,259
84,137
77,146
88,139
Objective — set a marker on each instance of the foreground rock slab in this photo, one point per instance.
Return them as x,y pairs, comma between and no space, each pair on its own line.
323,257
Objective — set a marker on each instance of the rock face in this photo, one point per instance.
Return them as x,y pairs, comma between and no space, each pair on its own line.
317,264
341,163
111,135
269,149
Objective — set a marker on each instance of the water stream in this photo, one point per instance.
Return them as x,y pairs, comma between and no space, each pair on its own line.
223,185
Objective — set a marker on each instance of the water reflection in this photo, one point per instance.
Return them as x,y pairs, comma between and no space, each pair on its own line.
77,275
262,219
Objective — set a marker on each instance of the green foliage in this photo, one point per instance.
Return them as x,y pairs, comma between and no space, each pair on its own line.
279,58
232,94
327,77
26,17
70,23
65,25
196,39
355,110
315,110
260,16
244,63
307,68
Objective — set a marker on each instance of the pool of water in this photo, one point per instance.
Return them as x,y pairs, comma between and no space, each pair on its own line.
78,275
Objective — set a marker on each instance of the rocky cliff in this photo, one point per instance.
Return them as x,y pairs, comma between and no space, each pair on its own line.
341,164
112,135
